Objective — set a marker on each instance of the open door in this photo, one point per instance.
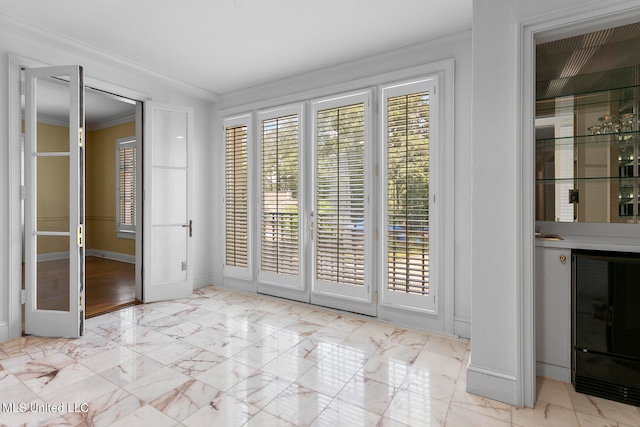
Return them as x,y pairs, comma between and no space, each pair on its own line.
54,201
168,226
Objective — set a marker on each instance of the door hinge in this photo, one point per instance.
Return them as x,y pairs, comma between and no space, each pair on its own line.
80,236
184,265
80,301
80,137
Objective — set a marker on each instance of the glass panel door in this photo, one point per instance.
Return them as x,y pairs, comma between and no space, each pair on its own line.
342,228
54,203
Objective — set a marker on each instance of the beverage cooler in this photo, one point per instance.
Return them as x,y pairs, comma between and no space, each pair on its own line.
606,325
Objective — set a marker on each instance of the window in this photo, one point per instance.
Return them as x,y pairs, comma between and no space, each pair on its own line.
280,225
407,134
236,196
126,187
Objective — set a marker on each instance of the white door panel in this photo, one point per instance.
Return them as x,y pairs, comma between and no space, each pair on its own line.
54,202
168,226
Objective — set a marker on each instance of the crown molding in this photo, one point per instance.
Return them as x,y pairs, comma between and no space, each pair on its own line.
111,121
300,83
18,28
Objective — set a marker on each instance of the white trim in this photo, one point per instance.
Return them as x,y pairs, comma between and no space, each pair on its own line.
53,256
550,26
13,25
495,384
112,121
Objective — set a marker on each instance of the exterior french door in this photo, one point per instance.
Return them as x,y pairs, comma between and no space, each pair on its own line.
54,201
341,222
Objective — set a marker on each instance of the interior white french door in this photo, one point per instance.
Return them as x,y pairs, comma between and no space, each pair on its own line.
168,225
54,201
340,221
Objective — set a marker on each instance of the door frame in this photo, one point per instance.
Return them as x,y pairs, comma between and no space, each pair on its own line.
15,296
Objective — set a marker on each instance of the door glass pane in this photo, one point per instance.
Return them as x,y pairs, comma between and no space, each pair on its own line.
408,193
279,244
52,105
340,195
52,273
52,192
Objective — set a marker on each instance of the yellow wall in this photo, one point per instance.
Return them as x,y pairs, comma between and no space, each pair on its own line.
52,181
101,189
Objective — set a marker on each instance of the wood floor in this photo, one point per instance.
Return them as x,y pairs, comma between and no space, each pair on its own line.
109,285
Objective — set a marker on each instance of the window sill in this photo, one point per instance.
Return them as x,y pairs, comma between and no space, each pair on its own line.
131,235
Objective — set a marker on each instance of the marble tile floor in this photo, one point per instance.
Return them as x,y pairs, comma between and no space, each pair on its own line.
224,358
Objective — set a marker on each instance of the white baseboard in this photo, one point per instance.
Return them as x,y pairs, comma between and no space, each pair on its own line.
493,384
554,372
462,328
53,256
202,281
114,256
4,332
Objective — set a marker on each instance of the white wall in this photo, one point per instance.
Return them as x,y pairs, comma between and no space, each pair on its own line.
458,47
502,230
39,46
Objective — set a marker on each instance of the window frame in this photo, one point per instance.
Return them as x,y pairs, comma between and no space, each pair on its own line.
126,231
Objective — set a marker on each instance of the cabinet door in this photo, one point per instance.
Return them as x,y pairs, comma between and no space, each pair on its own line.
553,312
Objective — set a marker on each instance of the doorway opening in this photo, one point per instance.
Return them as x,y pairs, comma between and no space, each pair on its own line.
112,262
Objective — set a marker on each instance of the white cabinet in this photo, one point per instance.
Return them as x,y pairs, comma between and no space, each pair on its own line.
553,312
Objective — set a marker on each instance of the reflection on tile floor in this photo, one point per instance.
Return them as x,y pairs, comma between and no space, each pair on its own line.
224,358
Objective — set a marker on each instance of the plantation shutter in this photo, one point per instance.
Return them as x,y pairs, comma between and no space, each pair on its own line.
279,196
126,186
236,208
340,195
408,193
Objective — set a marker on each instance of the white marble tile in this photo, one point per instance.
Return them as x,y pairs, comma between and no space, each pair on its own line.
265,419
206,336
479,404
106,410
145,416
376,330
447,346
172,352
223,410
226,374
368,394
436,362
131,370
154,385
312,349
552,391
326,378
415,409
298,405
340,413
460,416
282,340
257,355
12,390
229,345
142,339
51,373
365,344
108,358
385,370
432,384
276,321
399,352
585,420
544,414
288,366
607,409
255,331
186,399
196,361
259,388
81,392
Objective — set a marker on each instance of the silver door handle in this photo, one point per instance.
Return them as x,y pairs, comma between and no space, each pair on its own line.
190,225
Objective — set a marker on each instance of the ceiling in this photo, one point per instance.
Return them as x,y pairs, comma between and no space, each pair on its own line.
223,46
